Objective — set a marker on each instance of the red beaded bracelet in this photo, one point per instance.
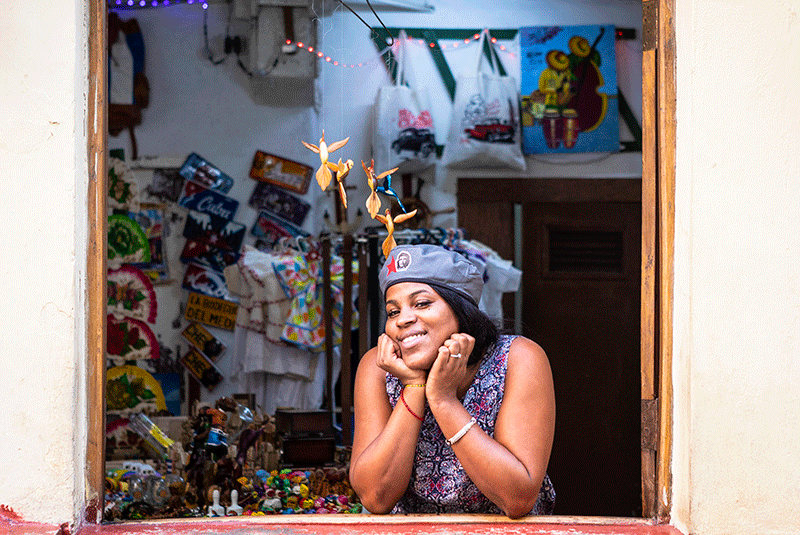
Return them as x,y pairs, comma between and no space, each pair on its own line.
414,414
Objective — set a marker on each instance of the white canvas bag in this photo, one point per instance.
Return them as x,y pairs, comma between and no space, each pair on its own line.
404,133
485,130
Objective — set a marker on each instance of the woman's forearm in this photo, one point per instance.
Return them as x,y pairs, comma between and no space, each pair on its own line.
381,473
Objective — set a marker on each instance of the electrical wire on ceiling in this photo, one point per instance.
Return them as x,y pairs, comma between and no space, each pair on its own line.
365,23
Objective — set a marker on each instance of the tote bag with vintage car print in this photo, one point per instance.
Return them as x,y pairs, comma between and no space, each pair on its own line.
484,127
404,133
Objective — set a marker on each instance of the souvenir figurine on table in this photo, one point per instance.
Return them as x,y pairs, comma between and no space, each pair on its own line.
323,174
389,243
373,201
215,509
234,509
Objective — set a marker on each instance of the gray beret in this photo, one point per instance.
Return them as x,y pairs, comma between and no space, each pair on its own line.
433,265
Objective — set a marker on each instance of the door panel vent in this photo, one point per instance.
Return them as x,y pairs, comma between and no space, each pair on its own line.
585,251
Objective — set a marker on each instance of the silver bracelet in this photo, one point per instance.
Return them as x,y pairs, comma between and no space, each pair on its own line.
462,432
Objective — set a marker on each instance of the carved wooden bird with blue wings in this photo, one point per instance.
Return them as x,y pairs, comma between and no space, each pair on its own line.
373,201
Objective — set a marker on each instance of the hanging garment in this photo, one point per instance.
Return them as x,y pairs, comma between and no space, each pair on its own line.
501,277
281,391
263,307
302,279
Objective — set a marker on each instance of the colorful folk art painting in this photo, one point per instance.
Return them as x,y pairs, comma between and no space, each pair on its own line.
127,242
568,83
151,220
131,389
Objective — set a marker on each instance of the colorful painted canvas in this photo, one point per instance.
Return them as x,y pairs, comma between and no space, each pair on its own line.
151,219
568,83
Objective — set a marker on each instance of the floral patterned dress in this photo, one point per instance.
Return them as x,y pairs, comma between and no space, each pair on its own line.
439,484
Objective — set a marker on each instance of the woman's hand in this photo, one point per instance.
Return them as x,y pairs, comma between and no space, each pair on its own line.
389,359
450,368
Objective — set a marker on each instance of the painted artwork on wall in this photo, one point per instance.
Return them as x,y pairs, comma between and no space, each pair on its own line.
568,84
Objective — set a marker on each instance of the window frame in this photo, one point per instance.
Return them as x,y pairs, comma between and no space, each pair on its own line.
658,215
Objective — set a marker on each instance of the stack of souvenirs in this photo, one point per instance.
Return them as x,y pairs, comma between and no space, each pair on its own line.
225,464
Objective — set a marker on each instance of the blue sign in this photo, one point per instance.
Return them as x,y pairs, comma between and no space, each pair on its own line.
208,201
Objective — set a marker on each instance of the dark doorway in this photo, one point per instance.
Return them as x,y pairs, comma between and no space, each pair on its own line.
581,277
581,264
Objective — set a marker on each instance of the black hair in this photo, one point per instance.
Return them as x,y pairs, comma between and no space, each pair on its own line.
471,320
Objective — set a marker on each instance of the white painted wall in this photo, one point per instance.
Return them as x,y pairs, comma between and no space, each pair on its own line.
737,280
43,184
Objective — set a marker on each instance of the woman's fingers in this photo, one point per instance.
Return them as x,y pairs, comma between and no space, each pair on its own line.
460,345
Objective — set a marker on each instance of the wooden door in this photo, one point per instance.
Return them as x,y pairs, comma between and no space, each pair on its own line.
581,288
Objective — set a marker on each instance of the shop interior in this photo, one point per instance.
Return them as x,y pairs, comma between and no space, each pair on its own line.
242,269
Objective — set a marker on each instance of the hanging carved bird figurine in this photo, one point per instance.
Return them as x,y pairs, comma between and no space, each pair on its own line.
389,243
373,201
342,169
323,173
387,190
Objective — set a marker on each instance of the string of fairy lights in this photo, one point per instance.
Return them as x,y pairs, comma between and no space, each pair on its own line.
154,3
136,4
444,47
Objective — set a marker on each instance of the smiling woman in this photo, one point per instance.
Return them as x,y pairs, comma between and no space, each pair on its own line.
443,393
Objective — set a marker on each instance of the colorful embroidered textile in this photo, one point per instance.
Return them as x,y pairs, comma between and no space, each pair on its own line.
439,484
302,279
131,294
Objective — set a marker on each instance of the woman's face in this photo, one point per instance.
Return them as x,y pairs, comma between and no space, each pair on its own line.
419,321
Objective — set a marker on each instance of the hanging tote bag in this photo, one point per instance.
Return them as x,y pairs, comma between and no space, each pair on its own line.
404,133
484,127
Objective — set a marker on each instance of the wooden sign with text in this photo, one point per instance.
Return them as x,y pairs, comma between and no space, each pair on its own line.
211,311
204,341
201,368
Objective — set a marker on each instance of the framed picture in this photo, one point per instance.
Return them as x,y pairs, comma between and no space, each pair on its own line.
285,173
166,184
151,219
568,83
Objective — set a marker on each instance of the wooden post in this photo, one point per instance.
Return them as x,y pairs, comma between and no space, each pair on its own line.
328,320
345,383
363,294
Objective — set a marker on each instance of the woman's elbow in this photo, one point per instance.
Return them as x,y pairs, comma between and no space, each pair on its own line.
520,504
372,497
375,503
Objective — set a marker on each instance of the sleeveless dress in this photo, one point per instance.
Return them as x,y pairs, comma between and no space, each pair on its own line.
439,484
